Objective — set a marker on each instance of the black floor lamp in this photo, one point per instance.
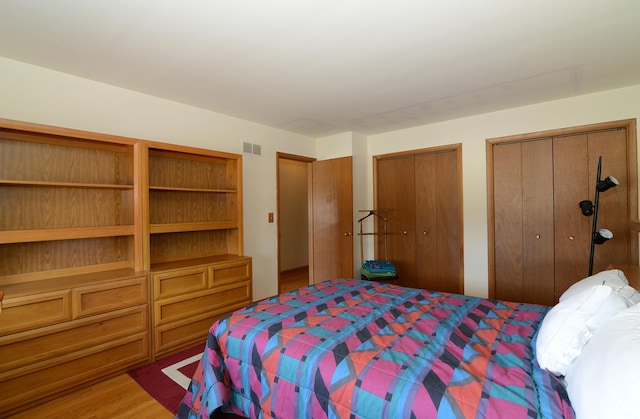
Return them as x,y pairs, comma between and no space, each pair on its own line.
591,208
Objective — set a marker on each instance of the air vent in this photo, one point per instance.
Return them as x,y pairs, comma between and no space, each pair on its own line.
249,148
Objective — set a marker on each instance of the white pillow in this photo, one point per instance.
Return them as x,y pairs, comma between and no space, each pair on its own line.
613,278
569,325
604,381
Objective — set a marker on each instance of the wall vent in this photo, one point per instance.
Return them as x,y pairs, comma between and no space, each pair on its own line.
249,148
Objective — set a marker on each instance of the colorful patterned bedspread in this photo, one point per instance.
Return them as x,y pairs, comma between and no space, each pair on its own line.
351,348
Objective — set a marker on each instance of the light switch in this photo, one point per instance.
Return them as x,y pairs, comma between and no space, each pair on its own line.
270,217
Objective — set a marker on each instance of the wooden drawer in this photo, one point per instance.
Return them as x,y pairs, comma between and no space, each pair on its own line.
22,386
28,348
172,309
102,298
187,332
184,281
33,311
229,272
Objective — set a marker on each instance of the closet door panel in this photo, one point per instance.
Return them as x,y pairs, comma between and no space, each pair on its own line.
508,224
448,238
573,230
538,228
396,194
437,238
611,145
427,237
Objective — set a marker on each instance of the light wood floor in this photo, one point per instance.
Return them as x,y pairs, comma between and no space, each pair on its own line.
118,397
294,278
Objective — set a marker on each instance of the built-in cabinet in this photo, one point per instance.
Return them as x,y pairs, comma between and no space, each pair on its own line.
419,192
195,203
113,251
189,297
58,333
539,240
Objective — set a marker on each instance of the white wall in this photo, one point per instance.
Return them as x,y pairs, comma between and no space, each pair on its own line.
34,94
473,131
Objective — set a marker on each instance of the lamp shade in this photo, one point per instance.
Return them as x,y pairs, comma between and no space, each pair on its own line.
602,236
607,183
586,207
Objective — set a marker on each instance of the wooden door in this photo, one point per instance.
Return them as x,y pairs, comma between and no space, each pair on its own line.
523,221
521,203
438,250
575,165
395,186
538,222
614,203
331,219
573,230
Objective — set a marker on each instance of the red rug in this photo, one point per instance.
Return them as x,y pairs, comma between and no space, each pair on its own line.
167,379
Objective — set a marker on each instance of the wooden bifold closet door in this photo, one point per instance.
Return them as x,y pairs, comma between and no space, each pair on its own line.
419,192
524,238
539,239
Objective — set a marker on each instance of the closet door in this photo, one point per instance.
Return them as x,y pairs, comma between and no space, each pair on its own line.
540,241
523,221
576,165
438,256
614,203
572,184
395,181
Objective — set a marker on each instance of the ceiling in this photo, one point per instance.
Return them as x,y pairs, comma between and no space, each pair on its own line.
321,67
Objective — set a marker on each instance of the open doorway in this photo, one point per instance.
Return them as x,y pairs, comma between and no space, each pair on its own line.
293,221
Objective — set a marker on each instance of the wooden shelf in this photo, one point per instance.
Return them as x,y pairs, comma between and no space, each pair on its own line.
195,203
21,289
64,184
184,227
167,188
51,275
26,236
203,261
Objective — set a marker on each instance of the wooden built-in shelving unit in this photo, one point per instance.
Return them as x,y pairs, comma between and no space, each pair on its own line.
113,251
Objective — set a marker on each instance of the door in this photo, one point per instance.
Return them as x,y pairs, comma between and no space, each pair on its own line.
395,181
331,253
572,184
575,165
523,226
539,240
419,192
438,250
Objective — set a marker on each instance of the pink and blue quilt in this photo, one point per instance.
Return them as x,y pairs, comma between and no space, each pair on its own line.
361,349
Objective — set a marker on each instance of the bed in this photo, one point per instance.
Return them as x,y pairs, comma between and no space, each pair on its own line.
352,348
